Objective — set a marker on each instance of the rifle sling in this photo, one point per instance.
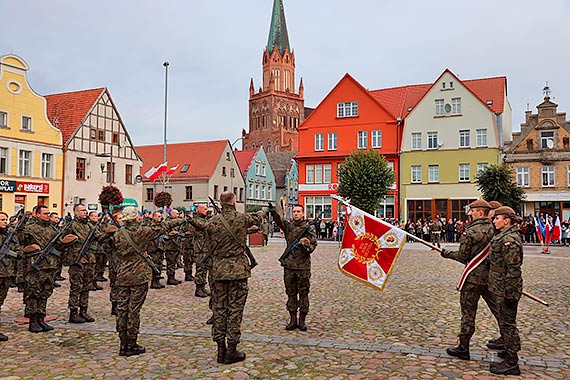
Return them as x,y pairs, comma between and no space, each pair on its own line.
131,242
225,222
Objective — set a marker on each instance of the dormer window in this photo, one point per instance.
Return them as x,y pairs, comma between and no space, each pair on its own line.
547,139
347,109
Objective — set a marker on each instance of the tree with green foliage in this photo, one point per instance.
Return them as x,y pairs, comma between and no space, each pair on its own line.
498,183
365,178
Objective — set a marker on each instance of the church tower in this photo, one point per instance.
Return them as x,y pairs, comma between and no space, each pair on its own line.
275,110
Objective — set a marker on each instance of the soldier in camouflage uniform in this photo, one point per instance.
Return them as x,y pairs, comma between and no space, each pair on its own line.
81,273
264,232
40,280
297,265
109,247
201,250
133,275
435,231
230,271
505,282
8,265
187,247
154,252
171,251
31,218
100,256
474,240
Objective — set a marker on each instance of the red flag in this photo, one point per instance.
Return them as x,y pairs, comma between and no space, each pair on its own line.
161,169
370,248
150,172
548,226
556,229
172,170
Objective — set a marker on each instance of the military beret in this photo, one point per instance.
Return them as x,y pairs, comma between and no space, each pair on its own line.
479,203
495,204
505,210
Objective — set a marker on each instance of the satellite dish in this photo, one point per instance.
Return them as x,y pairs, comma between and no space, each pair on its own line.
447,108
550,143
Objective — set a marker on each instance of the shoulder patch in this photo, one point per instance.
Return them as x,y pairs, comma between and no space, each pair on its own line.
508,244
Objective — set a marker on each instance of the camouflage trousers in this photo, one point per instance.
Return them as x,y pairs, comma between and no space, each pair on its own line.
130,300
157,258
80,280
4,286
469,299
100,261
201,269
297,287
171,262
39,287
21,266
188,257
228,301
113,278
508,327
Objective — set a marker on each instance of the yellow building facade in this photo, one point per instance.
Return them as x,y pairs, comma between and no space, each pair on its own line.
31,154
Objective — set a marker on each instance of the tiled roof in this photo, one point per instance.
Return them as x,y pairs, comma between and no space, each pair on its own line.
244,158
280,163
397,100
67,110
202,157
489,89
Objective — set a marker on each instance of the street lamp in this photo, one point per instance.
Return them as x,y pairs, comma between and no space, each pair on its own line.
165,64
232,164
111,170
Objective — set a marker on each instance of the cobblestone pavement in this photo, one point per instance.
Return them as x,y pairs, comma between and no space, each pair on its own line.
355,332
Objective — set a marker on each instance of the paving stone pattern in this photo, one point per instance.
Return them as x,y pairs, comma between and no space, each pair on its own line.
355,332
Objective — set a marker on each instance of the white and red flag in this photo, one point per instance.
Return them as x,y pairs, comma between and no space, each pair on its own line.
153,173
172,170
556,229
370,247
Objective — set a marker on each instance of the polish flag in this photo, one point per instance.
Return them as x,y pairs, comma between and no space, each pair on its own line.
556,229
157,173
539,227
172,170
548,228
150,172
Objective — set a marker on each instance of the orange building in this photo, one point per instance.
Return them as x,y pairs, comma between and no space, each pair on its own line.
350,117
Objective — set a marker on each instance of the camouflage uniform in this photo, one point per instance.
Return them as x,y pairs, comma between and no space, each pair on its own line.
435,230
297,267
155,253
40,281
265,232
200,250
133,275
230,271
474,239
505,282
187,247
171,251
22,264
7,269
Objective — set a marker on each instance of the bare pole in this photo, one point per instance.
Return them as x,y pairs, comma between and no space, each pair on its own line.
165,64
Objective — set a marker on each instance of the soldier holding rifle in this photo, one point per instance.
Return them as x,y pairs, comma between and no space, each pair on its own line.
8,255
296,260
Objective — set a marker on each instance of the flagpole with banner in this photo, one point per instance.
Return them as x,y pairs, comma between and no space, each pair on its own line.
372,247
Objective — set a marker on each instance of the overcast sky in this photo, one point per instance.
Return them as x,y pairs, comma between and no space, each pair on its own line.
215,48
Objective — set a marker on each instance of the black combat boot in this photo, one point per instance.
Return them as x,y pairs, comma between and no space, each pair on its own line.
74,316
461,351
502,354
59,277
201,291
233,355
34,325
133,348
20,287
155,284
172,281
83,314
292,322
113,308
302,324
496,344
4,338
188,277
221,351
101,278
210,320
96,286
509,366
123,347
43,324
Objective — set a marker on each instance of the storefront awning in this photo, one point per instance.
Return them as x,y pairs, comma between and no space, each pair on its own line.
548,196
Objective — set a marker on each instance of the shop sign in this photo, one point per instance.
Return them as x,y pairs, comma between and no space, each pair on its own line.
92,206
32,187
7,186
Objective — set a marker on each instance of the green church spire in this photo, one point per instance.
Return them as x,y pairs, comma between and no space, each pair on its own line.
278,30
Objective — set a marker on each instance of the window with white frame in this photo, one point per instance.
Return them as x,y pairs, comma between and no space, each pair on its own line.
327,173
416,174
545,137
433,173
464,172
3,160
523,176
377,139
269,192
310,173
548,176
416,140
47,165
482,166
432,140
456,106
250,190
257,167
362,139
347,109
3,119
391,167
262,195
464,138
257,191
26,123
332,141
263,170
318,206
319,173
25,163
439,107
481,137
319,142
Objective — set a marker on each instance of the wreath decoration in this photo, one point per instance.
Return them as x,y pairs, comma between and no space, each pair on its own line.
162,199
111,196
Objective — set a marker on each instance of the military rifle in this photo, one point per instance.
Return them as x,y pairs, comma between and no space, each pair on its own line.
50,249
5,248
140,252
87,243
290,248
252,262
